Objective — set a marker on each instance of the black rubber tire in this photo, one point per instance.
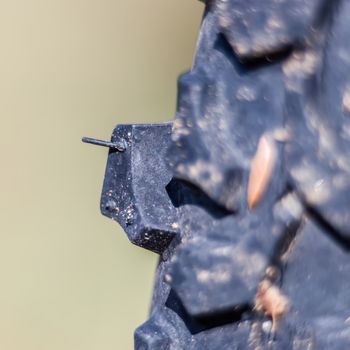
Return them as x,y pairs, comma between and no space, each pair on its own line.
259,156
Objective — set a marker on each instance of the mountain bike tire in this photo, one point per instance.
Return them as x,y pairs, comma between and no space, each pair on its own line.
245,196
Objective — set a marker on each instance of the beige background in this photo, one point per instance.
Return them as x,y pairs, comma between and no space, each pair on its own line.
71,68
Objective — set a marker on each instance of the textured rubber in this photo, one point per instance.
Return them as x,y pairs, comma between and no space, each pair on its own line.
246,195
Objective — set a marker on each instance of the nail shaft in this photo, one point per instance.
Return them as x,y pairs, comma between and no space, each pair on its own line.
119,145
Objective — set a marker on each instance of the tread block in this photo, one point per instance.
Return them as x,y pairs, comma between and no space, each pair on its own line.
163,331
218,126
221,270
134,191
256,30
317,114
317,283
213,277
150,336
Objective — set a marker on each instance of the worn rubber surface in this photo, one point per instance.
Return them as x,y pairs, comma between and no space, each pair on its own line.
246,195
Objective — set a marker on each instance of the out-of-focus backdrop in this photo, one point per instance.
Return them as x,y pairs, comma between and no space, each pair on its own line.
71,68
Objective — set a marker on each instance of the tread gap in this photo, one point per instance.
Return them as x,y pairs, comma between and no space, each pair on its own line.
246,65
206,322
181,192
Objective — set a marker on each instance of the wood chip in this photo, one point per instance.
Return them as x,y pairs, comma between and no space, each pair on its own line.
261,170
271,300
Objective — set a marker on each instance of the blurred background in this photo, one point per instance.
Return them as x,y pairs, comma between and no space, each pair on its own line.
73,68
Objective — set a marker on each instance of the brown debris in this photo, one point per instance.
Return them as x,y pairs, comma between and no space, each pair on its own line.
271,300
261,170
